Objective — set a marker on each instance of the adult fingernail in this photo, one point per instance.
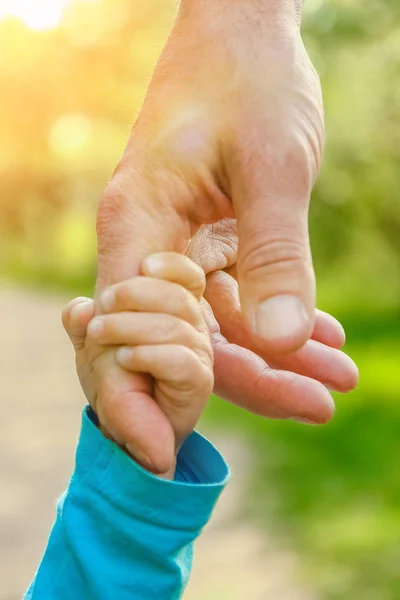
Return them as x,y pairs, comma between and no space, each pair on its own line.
96,327
107,300
329,387
280,317
305,421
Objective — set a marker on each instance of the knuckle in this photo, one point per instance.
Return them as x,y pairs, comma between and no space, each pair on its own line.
124,294
305,157
90,339
190,308
174,328
205,350
168,327
107,325
297,157
215,246
268,258
198,317
306,147
199,277
205,380
189,370
182,300
224,242
182,362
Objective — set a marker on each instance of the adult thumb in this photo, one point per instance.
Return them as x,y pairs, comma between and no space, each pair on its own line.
275,271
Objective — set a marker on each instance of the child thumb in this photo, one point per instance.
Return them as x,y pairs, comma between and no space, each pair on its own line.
76,317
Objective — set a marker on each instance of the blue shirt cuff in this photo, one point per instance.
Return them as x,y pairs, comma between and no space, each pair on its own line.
185,503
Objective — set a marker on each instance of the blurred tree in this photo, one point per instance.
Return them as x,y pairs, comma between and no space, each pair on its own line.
68,99
70,95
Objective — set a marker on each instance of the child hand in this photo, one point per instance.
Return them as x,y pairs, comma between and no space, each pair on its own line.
157,325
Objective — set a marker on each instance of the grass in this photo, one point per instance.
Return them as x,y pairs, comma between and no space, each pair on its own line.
334,491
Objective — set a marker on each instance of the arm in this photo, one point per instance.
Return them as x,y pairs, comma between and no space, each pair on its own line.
123,533
231,133
273,11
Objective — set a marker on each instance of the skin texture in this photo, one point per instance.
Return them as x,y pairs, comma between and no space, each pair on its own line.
157,323
220,164
275,385
163,310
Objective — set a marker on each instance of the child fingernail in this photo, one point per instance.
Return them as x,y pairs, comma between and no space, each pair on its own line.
77,310
153,264
107,300
96,327
124,355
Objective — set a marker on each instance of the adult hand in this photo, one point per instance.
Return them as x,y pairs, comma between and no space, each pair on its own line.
284,386
232,126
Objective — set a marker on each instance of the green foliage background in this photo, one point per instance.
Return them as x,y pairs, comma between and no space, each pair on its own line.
68,98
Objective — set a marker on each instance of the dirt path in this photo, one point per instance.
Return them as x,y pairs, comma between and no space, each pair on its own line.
40,404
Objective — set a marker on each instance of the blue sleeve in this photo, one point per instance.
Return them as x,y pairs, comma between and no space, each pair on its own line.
123,533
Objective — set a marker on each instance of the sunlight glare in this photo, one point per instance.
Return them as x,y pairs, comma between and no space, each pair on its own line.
37,14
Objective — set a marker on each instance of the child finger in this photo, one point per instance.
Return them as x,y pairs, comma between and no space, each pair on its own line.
134,329
174,363
127,411
184,382
178,268
152,296
76,317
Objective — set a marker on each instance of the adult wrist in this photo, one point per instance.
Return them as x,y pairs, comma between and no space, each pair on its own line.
275,14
